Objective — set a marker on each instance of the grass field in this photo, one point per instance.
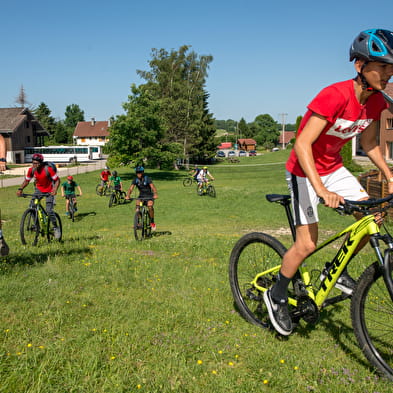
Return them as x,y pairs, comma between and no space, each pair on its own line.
101,312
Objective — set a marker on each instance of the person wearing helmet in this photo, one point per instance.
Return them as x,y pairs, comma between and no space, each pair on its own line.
105,174
68,192
116,181
203,176
315,169
147,192
46,184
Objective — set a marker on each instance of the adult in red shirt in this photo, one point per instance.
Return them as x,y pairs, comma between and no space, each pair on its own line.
315,169
45,186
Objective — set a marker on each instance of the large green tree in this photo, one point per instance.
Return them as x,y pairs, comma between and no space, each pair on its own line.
265,131
43,115
73,114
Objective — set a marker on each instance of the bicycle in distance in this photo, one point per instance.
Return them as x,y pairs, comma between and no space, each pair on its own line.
206,189
72,206
255,262
189,180
117,197
142,220
104,190
36,222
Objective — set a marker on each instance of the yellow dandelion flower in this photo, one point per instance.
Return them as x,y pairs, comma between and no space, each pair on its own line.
29,345
296,368
265,381
227,322
282,361
230,363
199,362
214,372
113,357
138,386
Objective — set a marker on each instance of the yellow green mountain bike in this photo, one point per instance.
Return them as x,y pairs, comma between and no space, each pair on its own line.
256,258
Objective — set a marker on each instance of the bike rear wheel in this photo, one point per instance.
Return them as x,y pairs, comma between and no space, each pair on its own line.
29,227
71,209
187,182
254,253
122,197
51,228
372,314
211,191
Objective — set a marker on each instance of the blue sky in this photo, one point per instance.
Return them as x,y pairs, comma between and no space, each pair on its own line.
268,56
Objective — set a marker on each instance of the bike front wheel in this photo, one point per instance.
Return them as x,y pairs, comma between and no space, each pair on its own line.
211,191
372,314
253,254
187,182
112,200
51,235
99,190
29,227
146,225
138,226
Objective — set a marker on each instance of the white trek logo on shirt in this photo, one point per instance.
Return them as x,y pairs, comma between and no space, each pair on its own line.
346,129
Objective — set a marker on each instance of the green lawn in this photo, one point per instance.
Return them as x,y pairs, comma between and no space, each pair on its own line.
101,312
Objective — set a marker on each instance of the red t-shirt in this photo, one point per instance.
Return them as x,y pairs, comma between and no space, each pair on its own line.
105,175
346,118
43,182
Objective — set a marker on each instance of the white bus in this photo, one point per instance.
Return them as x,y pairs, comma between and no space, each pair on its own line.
65,153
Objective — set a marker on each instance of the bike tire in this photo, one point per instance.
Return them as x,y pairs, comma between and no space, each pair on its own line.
50,234
122,197
199,190
146,233
29,227
112,200
108,191
99,189
187,182
252,254
211,191
138,226
371,314
71,209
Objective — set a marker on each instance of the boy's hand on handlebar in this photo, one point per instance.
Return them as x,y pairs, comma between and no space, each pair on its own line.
331,199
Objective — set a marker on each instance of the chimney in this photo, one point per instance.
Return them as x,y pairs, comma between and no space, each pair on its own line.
93,122
109,122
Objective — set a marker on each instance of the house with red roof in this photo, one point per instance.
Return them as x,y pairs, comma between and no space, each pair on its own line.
247,144
92,132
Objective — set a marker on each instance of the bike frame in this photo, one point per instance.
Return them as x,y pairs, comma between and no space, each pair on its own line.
42,215
366,226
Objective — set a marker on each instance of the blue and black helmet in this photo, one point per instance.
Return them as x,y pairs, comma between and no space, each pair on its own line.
139,169
373,45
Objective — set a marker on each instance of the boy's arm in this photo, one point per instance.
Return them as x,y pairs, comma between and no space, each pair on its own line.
80,190
153,188
303,148
130,191
368,140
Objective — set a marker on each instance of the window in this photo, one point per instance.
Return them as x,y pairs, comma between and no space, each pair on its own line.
389,123
390,150
28,139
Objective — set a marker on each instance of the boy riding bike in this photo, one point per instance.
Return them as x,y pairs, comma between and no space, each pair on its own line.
315,170
68,191
203,176
147,192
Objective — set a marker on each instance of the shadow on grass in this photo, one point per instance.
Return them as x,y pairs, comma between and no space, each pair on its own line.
81,216
161,233
36,257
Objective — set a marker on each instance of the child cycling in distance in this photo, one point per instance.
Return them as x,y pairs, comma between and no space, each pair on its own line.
68,191
104,176
147,192
116,180
203,176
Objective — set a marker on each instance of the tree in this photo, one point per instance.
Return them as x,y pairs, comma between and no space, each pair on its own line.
244,129
265,131
61,134
73,114
167,117
43,115
22,98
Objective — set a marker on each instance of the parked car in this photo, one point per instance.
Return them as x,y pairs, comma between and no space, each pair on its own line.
242,153
252,153
275,149
231,153
221,153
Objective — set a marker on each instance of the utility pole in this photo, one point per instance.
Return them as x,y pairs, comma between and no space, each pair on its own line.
283,116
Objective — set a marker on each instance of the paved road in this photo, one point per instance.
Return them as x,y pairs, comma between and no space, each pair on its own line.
20,172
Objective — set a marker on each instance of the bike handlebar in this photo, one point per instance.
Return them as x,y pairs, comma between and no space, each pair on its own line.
43,195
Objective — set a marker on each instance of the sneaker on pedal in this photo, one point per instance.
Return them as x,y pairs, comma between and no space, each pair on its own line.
153,226
278,314
56,233
345,283
67,214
